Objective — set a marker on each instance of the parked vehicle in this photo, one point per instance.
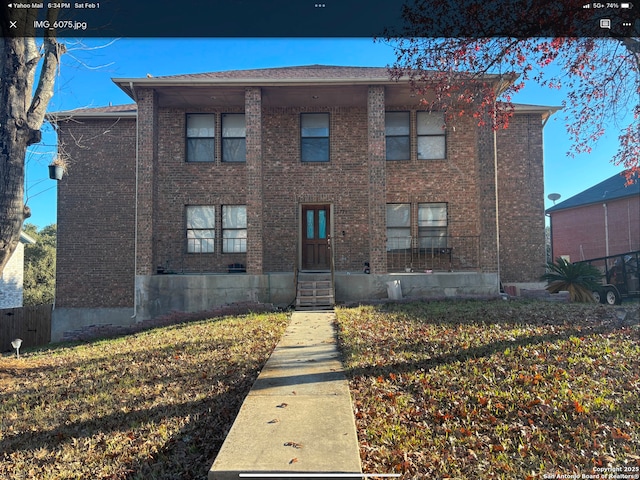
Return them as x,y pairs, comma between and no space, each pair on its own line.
621,277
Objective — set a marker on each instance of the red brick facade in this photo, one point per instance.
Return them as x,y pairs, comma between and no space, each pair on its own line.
96,213
581,233
99,202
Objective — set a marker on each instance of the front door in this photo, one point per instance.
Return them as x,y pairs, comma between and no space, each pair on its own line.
315,237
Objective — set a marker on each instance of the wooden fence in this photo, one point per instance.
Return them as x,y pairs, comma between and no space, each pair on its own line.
31,324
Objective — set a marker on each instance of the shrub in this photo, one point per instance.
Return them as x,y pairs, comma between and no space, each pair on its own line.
579,279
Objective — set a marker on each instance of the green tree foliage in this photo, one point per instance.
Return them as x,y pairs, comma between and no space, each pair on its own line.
40,265
579,279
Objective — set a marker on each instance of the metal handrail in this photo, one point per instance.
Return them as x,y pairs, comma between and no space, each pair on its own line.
429,252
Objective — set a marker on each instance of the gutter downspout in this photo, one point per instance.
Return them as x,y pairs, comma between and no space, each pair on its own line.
495,180
606,230
135,220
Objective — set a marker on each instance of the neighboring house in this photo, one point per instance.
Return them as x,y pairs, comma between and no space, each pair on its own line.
11,281
600,221
220,187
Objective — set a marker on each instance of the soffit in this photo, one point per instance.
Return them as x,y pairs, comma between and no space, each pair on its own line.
280,96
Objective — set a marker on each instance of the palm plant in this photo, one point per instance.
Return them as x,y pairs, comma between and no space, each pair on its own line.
579,279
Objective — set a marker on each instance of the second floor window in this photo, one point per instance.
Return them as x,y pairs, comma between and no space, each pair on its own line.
201,142
314,137
431,136
397,135
234,141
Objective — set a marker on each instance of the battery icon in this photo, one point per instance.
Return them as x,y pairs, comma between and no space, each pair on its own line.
625,5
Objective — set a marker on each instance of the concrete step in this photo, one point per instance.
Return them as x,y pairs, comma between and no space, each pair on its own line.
321,305
298,417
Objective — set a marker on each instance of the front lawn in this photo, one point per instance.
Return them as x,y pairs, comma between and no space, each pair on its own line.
505,390
156,405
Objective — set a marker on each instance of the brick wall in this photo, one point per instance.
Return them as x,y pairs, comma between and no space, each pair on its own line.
287,183
585,227
486,201
521,199
96,201
147,188
178,184
255,184
453,181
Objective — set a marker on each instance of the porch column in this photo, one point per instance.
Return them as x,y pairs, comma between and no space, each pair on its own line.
147,132
253,117
377,180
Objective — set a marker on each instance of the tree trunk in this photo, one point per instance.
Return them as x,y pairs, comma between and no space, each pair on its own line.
21,117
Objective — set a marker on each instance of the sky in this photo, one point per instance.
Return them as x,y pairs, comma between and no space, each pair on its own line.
84,80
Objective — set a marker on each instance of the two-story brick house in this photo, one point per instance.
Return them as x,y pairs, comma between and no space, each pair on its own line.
221,187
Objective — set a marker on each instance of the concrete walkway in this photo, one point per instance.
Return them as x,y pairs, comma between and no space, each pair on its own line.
297,418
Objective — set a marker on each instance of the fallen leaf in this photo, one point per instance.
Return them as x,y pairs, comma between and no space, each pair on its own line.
282,405
618,434
293,460
293,444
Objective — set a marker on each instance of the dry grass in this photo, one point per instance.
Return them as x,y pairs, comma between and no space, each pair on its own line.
504,390
156,405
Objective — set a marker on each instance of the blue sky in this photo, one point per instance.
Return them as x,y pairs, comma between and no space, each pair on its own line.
85,81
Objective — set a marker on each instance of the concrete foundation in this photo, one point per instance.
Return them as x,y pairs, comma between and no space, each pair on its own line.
361,287
158,295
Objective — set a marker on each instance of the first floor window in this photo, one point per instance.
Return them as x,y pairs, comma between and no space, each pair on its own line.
201,142
398,226
432,225
431,136
314,137
234,228
201,233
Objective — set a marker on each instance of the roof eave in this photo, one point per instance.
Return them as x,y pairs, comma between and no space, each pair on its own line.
26,239
559,207
129,84
72,114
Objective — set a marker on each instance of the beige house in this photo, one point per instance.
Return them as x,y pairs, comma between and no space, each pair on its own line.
11,281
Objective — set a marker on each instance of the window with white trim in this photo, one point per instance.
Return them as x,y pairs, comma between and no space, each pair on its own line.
234,229
234,137
201,133
397,130
431,136
201,228
314,137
